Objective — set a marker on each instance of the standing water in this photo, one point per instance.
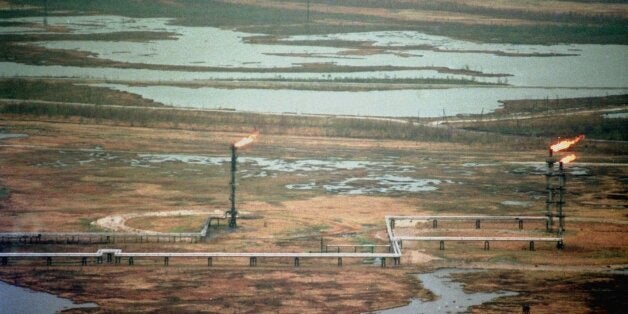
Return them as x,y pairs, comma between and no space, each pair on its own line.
15,299
451,297
521,71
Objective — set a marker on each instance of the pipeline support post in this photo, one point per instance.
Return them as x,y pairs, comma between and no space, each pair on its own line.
209,261
560,245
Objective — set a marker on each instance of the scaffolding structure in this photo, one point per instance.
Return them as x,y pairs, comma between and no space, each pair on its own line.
233,213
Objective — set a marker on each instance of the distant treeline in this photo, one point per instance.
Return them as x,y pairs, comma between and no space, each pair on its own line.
391,80
594,126
460,7
549,105
326,126
552,121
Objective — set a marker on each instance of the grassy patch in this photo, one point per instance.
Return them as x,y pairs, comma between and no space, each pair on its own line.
409,81
555,118
541,27
362,240
87,226
244,122
551,105
592,125
308,231
504,259
533,34
65,92
4,192
549,291
186,12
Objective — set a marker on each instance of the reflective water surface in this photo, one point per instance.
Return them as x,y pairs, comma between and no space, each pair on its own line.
532,71
20,300
450,296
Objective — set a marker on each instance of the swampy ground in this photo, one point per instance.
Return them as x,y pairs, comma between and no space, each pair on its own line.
70,172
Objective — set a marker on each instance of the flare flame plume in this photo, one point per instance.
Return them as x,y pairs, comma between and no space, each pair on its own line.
247,140
562,145
567,159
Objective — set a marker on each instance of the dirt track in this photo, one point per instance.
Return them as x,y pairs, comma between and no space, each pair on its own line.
118,222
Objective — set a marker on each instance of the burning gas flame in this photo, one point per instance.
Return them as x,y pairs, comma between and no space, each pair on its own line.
247,140
569,158
566,143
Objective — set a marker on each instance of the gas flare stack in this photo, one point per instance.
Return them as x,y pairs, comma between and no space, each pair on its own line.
232,212
556,192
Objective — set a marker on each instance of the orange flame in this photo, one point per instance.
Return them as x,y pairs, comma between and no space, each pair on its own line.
247,140
569,158
566,144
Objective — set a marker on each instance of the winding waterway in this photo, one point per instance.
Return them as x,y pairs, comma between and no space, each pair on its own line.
450,296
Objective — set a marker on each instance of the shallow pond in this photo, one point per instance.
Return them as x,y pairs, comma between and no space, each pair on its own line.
391,103
373,177
516,203
617,115
16,300
382,184
555,70
380,176
451,297
5,136
552,66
